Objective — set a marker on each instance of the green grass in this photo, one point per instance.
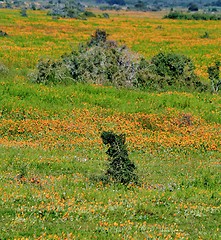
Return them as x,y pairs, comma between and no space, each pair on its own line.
180,195
63,98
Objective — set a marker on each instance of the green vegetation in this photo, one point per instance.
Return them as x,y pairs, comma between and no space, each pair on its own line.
214,72
99,61
3,34
23,12
205,35
177,71
121,169
3,69
193,7
104,62
47,189
192,16
69,9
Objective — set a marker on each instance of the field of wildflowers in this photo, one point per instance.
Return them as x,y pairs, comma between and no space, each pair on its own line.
51,150
41,36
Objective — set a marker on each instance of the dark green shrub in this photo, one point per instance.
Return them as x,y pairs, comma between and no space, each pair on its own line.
193,7
89,14
121,169
140,5
175,15
3,34
33,6
213,72
175,70
23,12
99,37
171,64
106,15
192,16
205,35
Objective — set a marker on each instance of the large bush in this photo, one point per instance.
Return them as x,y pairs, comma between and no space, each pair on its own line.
104,63
101,61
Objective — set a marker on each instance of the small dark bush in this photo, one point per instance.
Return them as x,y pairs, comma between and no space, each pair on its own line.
106,15
89,14
121,169
3,34
23,12
99,37
3,69
213,72
205,35
193,7
172,65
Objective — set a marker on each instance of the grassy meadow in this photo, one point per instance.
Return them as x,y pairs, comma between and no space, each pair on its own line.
51,150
